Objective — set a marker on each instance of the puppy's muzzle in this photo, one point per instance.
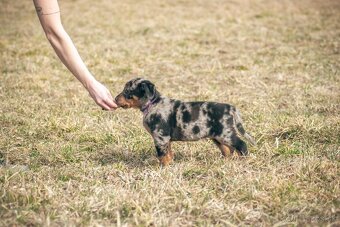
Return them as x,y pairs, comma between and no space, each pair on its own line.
121,101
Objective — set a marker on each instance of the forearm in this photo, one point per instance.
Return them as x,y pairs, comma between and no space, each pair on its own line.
49,15
68,54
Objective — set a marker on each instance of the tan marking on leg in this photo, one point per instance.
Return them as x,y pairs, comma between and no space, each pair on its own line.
226,150
167,158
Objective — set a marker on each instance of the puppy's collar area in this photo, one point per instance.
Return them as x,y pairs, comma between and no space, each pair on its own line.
146,107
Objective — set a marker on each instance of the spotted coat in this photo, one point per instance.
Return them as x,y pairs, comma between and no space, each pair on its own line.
170,120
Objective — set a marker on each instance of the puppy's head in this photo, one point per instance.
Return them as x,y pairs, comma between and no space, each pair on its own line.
136,93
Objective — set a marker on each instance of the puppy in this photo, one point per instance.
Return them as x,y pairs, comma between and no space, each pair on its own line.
170,120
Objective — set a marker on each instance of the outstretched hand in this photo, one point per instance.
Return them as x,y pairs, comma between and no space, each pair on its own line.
101,95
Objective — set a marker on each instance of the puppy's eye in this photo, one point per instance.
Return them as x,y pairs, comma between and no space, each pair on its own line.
128,96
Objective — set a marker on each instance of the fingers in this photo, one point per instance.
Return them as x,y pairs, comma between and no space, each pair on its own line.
103,105
112,105
109,102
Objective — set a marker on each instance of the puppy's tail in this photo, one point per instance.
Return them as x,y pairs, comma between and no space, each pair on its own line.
239,128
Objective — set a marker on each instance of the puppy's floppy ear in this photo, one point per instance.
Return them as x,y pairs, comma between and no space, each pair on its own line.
149,89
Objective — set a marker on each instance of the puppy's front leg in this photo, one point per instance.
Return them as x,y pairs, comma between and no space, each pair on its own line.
164,153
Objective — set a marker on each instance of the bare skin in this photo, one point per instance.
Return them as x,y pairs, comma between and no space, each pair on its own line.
49,15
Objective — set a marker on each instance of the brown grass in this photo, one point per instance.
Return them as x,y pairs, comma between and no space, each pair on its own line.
64,161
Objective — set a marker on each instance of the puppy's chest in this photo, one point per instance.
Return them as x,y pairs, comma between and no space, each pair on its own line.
157,117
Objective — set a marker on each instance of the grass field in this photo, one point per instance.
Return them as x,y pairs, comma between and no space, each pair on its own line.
64,161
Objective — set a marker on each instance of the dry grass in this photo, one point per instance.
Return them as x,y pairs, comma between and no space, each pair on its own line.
64,161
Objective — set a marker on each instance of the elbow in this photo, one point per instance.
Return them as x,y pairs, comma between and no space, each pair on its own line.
50,36
55,35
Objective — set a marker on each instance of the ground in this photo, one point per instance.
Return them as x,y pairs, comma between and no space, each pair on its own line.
65,161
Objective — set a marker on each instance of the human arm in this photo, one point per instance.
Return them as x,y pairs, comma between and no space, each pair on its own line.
49,15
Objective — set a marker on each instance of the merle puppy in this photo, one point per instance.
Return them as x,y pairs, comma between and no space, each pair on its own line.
173,120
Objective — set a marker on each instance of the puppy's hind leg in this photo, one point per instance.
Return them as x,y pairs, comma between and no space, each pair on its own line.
239,145
234,142
226,150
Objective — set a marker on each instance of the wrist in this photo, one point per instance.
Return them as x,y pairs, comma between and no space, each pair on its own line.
88,82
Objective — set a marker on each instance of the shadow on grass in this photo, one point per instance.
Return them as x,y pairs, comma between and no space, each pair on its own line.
132,159
140,158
